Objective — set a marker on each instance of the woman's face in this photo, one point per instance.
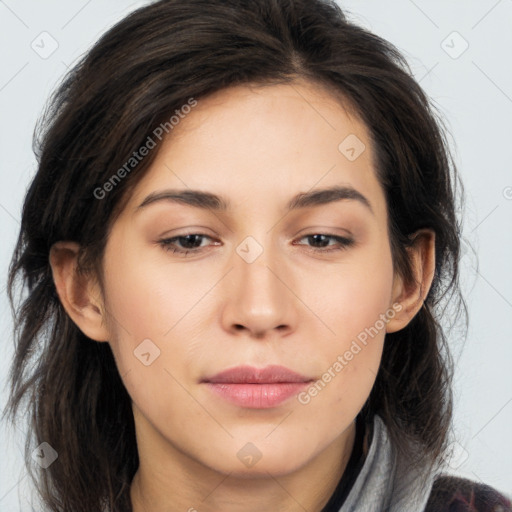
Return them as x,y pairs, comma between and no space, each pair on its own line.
257,287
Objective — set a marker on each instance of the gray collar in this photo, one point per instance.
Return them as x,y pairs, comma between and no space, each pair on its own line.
386,482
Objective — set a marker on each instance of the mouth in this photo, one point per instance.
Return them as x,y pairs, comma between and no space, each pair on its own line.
249,387
272,374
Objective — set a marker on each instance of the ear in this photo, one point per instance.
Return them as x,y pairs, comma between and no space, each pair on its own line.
412,295
79,293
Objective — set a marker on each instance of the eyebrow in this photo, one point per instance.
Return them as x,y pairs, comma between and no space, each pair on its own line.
207,200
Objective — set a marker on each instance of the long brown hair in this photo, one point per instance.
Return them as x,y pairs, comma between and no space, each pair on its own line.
133,79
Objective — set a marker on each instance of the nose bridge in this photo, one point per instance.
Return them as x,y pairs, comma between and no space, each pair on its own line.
258,299
258,283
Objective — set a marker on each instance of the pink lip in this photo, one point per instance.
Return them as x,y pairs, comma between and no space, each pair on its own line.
250,387
250,375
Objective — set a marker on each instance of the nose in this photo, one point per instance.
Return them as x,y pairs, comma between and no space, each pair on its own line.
260,301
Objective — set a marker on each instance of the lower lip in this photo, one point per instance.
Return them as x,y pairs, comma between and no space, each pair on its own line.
257,396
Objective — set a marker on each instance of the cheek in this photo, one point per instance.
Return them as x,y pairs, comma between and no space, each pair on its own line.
155,312
145,313
146,297
134,305
355,306
354,297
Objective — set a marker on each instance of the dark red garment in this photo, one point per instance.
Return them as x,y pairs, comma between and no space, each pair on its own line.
454,494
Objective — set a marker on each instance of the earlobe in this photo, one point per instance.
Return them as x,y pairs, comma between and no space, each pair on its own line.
411,295
79,294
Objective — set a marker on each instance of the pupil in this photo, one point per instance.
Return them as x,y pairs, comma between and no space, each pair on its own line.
188,240
316,238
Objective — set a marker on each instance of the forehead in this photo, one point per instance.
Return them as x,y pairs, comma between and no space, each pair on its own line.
249,143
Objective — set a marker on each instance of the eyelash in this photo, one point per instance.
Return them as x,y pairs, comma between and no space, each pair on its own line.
166,243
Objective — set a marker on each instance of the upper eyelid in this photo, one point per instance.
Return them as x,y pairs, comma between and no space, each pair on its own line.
313,230
205,235
348,239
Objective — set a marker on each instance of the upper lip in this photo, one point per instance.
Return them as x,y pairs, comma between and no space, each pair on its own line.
252,375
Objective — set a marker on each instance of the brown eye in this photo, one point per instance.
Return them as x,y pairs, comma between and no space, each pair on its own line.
320,242
184,244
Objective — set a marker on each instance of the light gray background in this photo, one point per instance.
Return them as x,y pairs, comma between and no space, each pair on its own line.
473,90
